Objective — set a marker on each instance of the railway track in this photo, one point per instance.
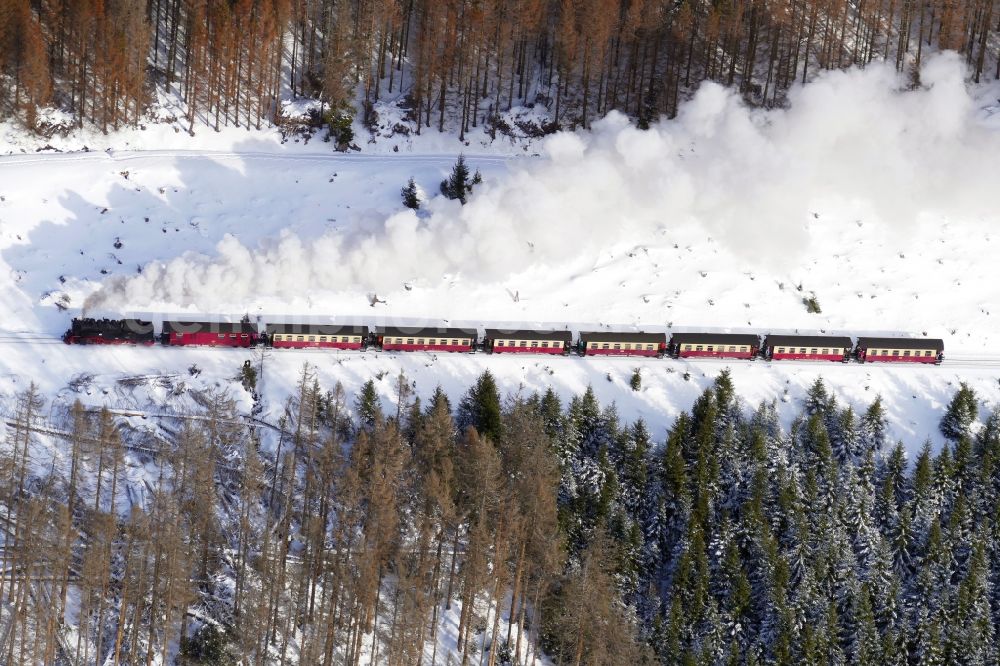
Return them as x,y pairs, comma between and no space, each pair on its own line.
126,156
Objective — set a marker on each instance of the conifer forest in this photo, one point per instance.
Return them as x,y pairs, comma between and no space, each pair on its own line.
456,64
549,531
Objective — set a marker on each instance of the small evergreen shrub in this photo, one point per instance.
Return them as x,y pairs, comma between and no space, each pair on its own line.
411,199
459,184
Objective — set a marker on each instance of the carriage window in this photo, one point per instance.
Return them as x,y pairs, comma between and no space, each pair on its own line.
698,348
617,346
649,347
556,344
534,343
802,350
409,341
524,343
420,341
927,353
345,339
814,351
312,338
732,348
607,346
709,348
906,353
222,335
545,345
895,352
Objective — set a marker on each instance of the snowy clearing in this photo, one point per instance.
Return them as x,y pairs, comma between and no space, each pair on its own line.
724,219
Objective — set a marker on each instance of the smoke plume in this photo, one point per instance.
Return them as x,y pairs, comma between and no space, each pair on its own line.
860,140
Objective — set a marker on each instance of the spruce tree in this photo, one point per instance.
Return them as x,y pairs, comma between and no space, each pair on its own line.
960,414
551,412
872,431
725,392
988,437
411,199
480,408
817,399
636,381
439,400
368,405
459,184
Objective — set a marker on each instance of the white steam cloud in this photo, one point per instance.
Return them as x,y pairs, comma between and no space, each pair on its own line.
749,177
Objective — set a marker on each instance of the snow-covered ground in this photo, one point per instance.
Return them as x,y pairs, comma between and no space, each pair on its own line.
878,202
145,380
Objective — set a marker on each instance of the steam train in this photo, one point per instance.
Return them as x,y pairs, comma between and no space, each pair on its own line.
746,346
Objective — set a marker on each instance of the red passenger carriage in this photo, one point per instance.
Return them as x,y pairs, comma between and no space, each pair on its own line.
526,341
427,339
714,345
332,336
900,350
808,347
213,334
601,343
